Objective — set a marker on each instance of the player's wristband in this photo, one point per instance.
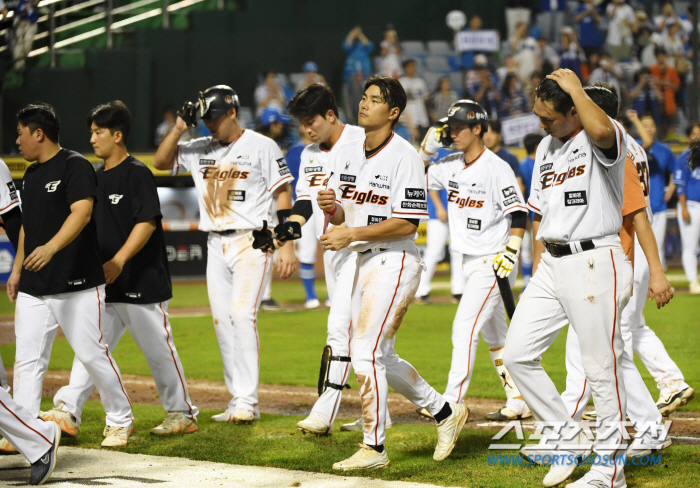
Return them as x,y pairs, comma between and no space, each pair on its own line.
514,244
283,215
332,212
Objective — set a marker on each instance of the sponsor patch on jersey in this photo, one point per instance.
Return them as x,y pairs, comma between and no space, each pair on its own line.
415,205
453,184
12,189
242,156
236,196
415,194
207,162
379,185
573,198
281,163
474,224
114,198
284,171
51,186
132,295
76,282
381,177
314,169
511,200
348,178
375,219
546,167
508,192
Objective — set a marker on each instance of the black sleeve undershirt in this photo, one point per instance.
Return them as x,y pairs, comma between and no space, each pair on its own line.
413,221
12,221
611,152
303,208
518,219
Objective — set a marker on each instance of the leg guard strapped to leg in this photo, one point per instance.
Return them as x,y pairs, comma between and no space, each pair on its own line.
326,359
508,383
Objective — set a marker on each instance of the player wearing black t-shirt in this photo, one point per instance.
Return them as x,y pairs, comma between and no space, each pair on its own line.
132,248
57,277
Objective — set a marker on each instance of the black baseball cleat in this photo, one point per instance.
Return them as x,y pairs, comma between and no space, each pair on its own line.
269,305
42,469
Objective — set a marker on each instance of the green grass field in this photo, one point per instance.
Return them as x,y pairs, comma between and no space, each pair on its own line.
290,344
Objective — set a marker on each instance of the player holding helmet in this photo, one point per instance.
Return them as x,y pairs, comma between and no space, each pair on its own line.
236,172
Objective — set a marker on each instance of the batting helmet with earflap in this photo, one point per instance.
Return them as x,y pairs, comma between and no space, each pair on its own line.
216,101
467,112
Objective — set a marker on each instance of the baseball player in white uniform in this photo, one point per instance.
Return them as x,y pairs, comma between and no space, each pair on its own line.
378,190
487,217
636,217
688,188
316,110
61,280
237,173
582,279
132,248
11,213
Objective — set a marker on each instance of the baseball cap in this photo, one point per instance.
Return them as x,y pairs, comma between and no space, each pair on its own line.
272,115
310,66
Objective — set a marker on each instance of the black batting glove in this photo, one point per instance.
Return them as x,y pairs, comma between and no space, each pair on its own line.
288,231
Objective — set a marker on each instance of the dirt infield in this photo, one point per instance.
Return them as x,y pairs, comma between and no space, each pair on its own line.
298,400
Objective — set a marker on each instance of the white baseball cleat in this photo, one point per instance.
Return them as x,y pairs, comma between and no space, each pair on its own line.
669,401
313,303
423,412
63,418
448,431
647,448
365,458
243,416
314,424
694,288
560,470
594,479
176,423
117,436
358,425
222,417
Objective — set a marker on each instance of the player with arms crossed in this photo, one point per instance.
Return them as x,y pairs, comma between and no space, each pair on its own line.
236,172
132,248
582,279
378,190
487,217
57,277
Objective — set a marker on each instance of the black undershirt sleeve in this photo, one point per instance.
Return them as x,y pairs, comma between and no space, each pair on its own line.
413,221
12,221
303,208
610,153
518,220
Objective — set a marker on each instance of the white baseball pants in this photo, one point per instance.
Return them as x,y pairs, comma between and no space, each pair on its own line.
148,324
384,286
340,273
236,277
30,435
690,238
587,290
480,311
437,235
658,226
3,377
81,315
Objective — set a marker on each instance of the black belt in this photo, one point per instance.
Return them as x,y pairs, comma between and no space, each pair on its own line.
230,232
370,250
561,250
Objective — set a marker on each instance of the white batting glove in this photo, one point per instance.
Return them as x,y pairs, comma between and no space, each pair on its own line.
504,261
431,143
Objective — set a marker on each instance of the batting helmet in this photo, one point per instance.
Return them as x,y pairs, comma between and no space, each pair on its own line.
217,101
467,112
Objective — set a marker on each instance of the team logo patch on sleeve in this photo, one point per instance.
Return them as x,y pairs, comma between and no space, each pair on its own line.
236,196
348,178
12,189
508,192
573,198
510,196
474,224
375,219
415,205
415,194
281,163
207,162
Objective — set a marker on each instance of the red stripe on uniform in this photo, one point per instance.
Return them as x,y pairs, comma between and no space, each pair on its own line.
172,353
585,382
471,338
255,320
22,422
109,358
612,343
377,343
14,202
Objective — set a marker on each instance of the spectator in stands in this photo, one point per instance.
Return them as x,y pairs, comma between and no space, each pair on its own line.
390,53
551,18
571,55
667,18
484,91
548,56
358,67
644,46
622,23
669,82
269,94
589,18
24,27
527,166
312,75
534,81
646,95
606,73
273,124
467,58
492,141
513,101
415,116
441,99
508,68
517,11
169,117
524,48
